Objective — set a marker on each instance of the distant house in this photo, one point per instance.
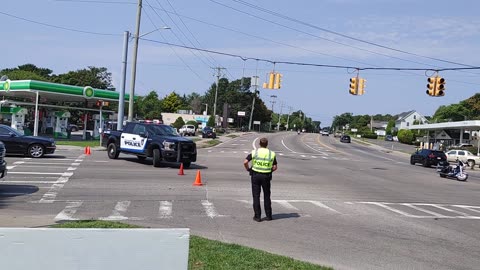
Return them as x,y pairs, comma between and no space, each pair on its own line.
407,119
379,127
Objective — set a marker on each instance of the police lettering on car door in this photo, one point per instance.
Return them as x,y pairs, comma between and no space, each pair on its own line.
134,141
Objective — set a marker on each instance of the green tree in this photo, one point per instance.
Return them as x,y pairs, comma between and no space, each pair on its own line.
211,121
390,126
172,103
192,122
92,76
27,72
149,107
405,136
453,112
178,123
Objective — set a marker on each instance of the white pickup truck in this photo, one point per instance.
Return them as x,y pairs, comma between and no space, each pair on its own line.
186,130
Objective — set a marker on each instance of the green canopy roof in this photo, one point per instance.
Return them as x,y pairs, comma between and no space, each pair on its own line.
87,92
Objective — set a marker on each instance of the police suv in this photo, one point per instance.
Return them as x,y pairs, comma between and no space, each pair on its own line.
158,141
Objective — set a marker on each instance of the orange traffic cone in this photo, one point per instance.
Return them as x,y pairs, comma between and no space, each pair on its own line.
180,172
198,179
87,151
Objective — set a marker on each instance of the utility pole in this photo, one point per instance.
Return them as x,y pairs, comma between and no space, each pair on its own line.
121,98
254,83
219,69
280,116
288,117
273,103
134,62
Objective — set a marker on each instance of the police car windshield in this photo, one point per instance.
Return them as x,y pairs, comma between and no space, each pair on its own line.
162,130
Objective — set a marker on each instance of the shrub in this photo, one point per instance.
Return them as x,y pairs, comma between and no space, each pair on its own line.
370,135
192,122
178,123
405,136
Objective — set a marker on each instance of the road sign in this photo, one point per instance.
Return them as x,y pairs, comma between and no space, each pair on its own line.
241,113
256,122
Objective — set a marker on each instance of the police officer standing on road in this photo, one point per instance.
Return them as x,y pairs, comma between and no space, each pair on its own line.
264,163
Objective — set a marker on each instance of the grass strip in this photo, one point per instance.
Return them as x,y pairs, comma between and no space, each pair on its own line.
211,254
232,136
79,143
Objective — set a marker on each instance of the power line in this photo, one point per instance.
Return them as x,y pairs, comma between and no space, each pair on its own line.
57,26
310,64
179,57
343,35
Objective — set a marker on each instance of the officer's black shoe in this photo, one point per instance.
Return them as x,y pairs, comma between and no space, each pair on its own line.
268,218
257,219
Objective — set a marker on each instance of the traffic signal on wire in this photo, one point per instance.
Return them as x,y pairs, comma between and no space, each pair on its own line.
278,81
353,85
439,87
431,86
361,86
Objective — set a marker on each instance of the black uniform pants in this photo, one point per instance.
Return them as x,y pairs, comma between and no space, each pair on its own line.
261,181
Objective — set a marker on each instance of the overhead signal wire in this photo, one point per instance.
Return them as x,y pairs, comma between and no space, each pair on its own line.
213,61
174,51
345,36
311,64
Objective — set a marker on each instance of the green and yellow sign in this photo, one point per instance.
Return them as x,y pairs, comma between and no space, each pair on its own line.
88,91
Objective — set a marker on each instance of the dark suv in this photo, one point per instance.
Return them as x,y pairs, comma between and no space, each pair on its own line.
427,157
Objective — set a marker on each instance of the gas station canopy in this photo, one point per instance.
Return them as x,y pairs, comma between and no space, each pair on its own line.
56,92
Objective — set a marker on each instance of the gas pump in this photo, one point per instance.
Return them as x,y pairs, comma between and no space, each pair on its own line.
61,124
18,118
48,123
14,117
97,125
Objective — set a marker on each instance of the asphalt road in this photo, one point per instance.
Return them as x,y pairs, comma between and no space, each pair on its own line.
350,206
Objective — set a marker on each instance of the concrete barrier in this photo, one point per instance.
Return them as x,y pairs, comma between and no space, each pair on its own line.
93,249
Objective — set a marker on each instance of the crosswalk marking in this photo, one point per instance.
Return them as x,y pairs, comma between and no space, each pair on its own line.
165,210
117,213
69,211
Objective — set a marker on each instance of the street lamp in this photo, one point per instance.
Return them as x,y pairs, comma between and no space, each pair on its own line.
206,108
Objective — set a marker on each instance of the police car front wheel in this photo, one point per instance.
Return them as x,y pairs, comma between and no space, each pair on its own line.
112,151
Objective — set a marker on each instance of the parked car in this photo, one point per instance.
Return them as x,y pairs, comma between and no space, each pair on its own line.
186,130
389,138
72,127
465,156
208,132
428,157
337,134
325,133
3,163
345,139
32,146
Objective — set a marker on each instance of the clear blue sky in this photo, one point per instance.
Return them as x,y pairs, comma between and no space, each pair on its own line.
447,30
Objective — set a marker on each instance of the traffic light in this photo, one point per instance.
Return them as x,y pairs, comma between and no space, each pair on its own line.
361,86
278,81
353,85
439,86
431,86
101,103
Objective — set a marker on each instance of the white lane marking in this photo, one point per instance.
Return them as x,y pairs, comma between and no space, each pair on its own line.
316,150
423,210
222,151
317,203
281,154
118,212
245,152
29,182
254,145
165,209
234,152
100,161
71,169
35,173
10,167
75,164
47,163
324,157
69,211
209,209
18,162
444,208
51,195
287,147
303,156
389,208
470,208
286,204
209,151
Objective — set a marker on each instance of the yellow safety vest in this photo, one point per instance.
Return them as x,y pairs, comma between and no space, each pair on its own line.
262,160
